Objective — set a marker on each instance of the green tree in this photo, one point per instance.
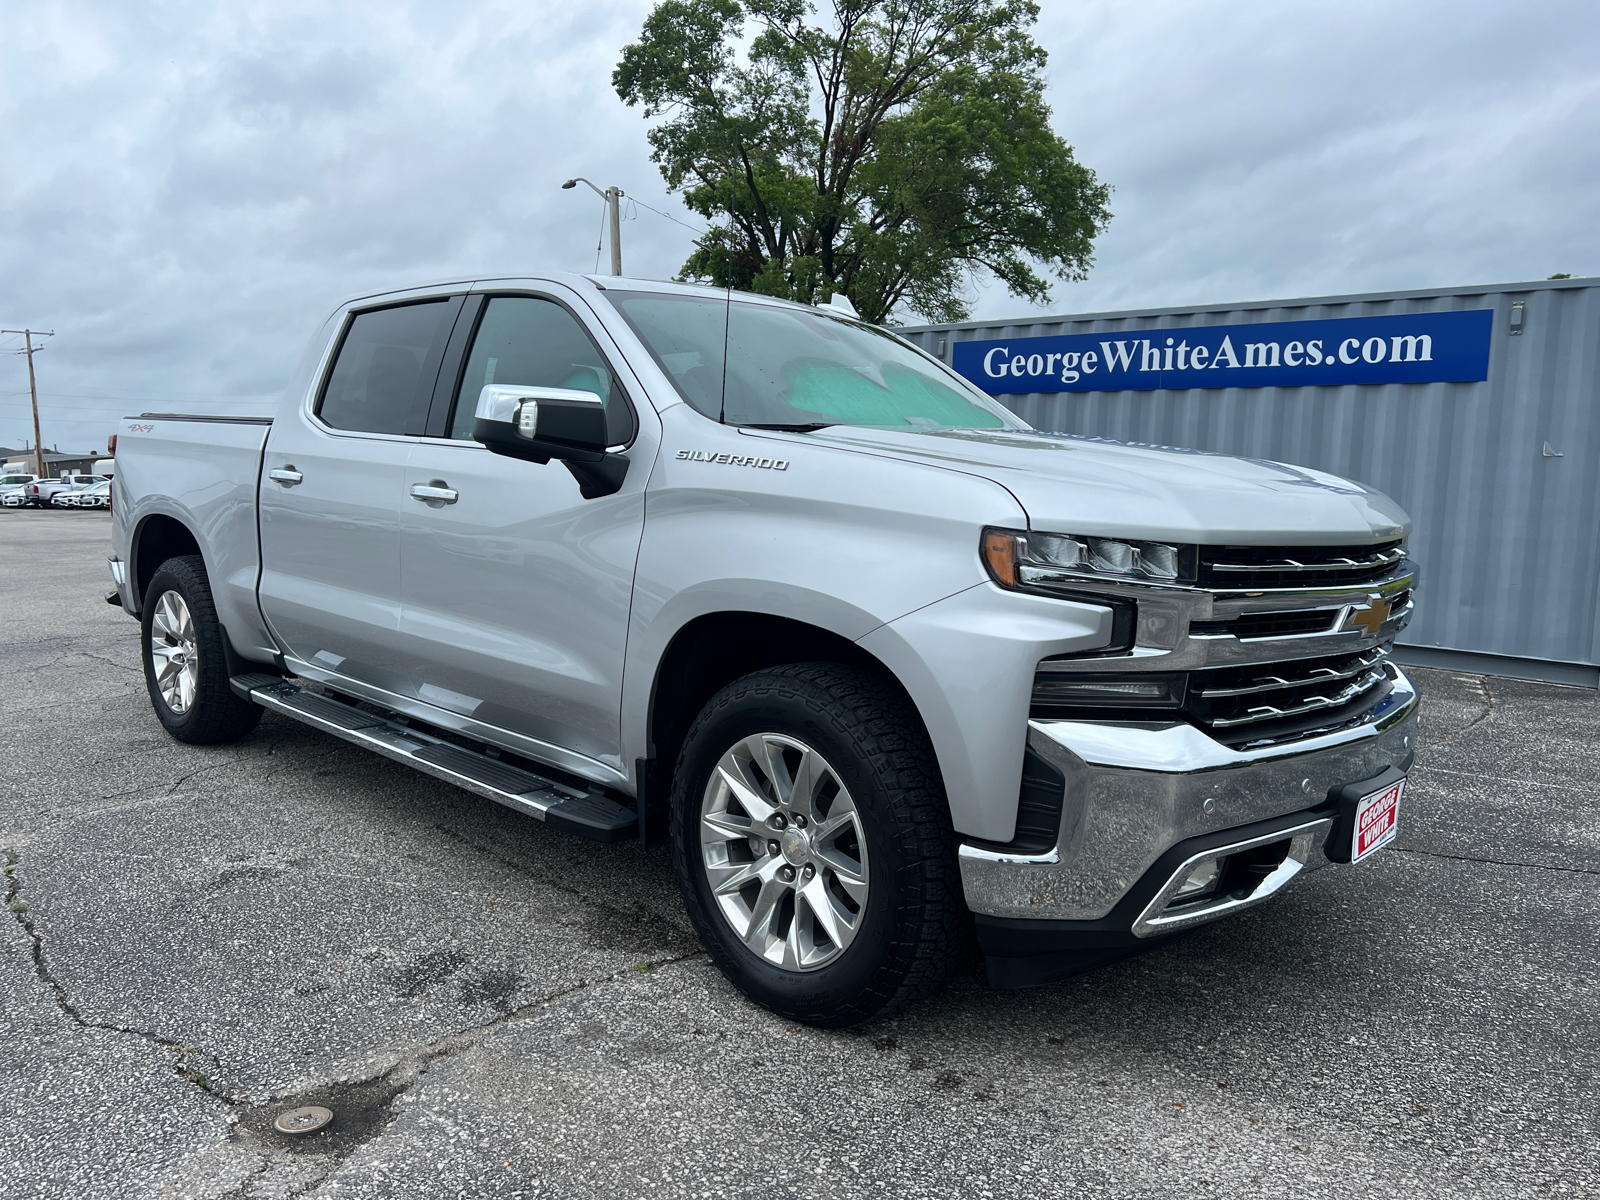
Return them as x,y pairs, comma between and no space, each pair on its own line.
886,154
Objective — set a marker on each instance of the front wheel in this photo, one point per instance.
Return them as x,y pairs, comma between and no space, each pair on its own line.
813,844
185,668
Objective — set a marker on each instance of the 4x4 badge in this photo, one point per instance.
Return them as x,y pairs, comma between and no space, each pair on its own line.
1370,618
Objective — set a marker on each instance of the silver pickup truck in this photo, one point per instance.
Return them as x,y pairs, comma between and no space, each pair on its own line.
888,665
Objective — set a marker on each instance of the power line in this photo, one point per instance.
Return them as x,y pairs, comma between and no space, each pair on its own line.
669,216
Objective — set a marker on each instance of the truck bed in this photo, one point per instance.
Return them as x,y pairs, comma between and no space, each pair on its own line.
202,471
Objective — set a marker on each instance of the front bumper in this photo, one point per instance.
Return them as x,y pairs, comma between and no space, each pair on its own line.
1135,791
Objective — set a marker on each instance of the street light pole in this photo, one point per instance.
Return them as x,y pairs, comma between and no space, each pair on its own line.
33,391
613,197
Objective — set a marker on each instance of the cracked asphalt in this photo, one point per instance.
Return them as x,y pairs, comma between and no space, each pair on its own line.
201,938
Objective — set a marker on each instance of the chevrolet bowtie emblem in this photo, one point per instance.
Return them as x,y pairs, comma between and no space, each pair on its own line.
1370,618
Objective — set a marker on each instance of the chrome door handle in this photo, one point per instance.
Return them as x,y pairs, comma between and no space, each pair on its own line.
287,476
434,493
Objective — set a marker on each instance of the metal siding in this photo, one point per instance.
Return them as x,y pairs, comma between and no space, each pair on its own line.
1508,540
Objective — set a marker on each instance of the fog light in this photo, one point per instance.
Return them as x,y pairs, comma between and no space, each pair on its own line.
1201,880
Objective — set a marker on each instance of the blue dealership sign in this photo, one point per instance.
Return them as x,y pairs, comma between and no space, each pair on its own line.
1414,348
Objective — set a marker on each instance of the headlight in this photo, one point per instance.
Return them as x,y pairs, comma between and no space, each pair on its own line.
1028,560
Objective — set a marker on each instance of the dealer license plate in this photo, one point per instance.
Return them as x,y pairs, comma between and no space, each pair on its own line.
1377,821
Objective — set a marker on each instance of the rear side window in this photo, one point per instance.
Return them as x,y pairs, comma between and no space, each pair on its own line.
383,378
526,341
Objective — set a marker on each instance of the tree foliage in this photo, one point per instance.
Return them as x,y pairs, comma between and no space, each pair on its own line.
886,154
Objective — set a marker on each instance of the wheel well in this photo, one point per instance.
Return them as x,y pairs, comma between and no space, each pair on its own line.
158,539
712,651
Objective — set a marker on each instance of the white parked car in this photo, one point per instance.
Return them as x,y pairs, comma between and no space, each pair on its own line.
13,488
96,495
67,497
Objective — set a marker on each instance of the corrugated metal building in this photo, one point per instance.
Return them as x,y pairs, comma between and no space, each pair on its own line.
1498,464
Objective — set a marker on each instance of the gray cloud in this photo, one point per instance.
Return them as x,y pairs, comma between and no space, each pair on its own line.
186,188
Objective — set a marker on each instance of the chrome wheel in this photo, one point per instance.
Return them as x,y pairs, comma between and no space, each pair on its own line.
174,651
784,851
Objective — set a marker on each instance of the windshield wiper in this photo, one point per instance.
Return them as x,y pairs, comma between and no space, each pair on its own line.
799,427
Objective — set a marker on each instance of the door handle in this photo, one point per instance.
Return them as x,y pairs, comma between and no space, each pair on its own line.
434,493
285,475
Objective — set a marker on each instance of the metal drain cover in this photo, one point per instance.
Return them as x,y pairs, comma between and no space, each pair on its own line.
303,1120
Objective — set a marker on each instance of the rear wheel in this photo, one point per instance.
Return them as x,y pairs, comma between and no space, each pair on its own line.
185,668
813,844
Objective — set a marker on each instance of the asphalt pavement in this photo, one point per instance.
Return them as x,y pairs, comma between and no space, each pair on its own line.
202,938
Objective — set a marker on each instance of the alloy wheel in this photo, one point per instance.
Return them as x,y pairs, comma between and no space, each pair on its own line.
174,650
784,851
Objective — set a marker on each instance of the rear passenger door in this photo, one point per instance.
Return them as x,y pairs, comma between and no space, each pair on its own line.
331,493
517,589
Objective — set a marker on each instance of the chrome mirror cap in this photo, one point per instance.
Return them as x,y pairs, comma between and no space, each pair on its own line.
505,402
539,423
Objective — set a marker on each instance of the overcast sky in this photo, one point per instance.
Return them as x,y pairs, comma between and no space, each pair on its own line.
185,188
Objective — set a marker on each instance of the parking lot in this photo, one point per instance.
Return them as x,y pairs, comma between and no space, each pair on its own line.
201,938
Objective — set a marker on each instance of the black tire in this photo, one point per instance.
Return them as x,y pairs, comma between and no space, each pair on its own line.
866,730
215,714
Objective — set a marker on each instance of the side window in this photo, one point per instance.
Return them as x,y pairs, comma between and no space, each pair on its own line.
380,382
536,343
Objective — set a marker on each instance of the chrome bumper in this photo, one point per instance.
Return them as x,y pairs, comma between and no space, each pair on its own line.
1134,791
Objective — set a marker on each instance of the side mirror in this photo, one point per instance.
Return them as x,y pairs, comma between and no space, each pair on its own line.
539,424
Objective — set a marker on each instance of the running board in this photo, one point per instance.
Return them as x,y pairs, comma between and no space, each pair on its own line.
556,804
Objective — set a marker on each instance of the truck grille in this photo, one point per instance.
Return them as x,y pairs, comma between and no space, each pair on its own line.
1270,625
1271,700
1253,568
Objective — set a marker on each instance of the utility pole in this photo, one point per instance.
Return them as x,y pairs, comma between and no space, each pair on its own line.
33,390
613,198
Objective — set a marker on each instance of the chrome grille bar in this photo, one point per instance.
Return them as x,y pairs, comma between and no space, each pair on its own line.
1271,712
1273,683
1380,559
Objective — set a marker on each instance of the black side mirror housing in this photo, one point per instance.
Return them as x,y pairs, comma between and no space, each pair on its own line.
538,424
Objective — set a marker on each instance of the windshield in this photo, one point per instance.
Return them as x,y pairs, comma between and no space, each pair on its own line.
790,366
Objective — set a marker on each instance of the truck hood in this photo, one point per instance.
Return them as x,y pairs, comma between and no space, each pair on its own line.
1072,484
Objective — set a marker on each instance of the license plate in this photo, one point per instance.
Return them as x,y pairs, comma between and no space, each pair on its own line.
1377,821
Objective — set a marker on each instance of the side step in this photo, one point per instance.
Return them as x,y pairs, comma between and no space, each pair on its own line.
584,813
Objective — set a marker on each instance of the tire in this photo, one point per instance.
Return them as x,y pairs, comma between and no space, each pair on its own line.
203,709
867,738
